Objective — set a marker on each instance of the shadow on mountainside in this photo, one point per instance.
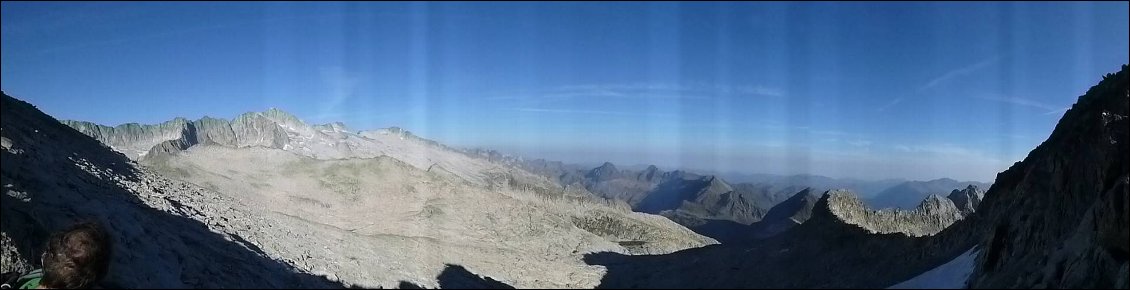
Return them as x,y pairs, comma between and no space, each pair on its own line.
458,277
726,231
817,254
46,189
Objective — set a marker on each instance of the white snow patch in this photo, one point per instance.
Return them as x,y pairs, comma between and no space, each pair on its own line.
951,275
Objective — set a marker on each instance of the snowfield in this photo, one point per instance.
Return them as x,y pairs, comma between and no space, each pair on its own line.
951,275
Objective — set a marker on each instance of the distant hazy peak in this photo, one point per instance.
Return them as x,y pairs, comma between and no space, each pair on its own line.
715,184
945,179
650,174
606,171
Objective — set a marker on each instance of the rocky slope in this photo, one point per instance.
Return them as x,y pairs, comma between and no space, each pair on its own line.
788,214
259,216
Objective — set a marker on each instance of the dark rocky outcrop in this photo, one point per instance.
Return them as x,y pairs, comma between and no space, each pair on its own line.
790,213
1058,219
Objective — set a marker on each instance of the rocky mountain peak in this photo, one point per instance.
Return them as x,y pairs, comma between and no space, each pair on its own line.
285,119
937,204
967,199
717,185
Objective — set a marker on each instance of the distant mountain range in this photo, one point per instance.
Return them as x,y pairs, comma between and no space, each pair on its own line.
712,206
1057,219
864,188
706,203
907,195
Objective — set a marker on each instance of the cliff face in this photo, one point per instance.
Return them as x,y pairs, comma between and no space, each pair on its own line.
136,141
132,139
1059,218
967,199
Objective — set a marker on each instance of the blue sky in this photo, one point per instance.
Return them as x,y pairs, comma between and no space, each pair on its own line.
867,90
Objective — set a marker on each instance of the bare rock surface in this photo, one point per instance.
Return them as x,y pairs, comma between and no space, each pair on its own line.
260,216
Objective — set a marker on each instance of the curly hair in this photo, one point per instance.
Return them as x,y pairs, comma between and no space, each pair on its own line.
76,258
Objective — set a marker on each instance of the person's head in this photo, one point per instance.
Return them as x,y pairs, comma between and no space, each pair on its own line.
77,257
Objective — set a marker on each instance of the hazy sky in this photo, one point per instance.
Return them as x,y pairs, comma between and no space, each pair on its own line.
868,90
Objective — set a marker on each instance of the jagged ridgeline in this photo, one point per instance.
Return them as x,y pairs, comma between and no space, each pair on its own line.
265,200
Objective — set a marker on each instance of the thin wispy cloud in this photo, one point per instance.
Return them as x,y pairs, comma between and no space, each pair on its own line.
893,102
588,112
761,90
949,75
340,86
1023,102
943,149
641,91
968,69
858,142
